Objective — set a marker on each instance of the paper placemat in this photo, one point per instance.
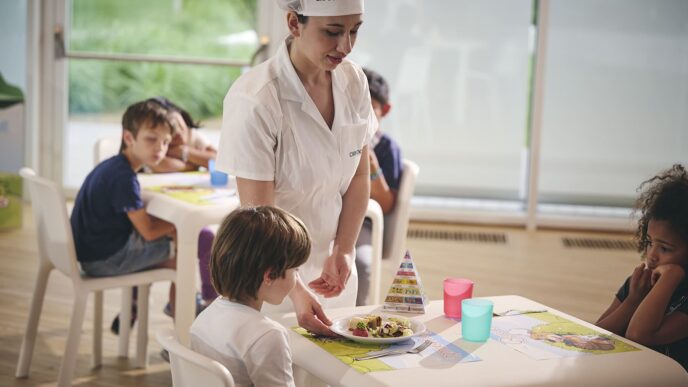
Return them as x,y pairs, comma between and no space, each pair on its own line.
440,353
547,336
194,195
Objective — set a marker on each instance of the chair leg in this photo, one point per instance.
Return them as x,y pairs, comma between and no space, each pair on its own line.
72,347
124,318
376,264
28,343
97,328
142,335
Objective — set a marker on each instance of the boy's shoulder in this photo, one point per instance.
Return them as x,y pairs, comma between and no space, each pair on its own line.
115,164
115,168
246,325
111,176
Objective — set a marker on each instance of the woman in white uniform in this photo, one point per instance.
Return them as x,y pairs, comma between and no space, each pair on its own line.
294,133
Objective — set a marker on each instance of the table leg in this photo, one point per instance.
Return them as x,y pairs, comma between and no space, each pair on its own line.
187,247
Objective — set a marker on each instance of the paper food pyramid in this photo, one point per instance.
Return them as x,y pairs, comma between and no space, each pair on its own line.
406,293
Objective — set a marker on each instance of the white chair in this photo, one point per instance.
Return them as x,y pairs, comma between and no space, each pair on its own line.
105,148
190,368
57,251
389,235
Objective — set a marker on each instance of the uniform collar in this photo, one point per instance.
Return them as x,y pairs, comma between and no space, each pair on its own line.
293,89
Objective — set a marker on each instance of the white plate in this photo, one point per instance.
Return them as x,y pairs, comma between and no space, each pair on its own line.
341,327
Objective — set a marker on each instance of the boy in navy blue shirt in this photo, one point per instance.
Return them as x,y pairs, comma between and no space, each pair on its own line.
385,176
113,234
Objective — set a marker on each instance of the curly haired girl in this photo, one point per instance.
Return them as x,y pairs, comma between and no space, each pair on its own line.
651,307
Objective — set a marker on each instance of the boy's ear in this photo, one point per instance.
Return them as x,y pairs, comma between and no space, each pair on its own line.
127,137
385,109
266,277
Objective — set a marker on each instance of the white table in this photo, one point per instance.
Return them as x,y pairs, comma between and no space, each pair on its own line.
189,219
500,365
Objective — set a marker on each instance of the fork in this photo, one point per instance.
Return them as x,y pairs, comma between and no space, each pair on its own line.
416,350
516,312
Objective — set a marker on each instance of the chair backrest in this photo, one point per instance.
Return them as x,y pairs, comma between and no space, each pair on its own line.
190,368
105,148
55,240
396,222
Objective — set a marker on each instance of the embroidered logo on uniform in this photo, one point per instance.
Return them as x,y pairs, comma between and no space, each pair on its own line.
355,153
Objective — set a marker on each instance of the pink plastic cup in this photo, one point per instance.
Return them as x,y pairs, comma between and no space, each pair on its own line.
456,290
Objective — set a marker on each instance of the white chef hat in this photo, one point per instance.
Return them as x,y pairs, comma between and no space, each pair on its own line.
322,7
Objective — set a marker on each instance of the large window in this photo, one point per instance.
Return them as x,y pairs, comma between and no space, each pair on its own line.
459,78
616,98
462,75
123,51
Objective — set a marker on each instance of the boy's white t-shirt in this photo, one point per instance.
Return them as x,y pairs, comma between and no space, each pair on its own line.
254,348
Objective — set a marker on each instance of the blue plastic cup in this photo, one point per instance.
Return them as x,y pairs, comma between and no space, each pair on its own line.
217,178
476,319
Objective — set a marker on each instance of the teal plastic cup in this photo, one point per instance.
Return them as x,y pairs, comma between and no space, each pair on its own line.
476,319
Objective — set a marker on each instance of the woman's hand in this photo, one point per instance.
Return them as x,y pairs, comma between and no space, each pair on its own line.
668,271
640,283
309,313
335,274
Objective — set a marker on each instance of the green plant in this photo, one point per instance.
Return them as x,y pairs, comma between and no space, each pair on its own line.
155,27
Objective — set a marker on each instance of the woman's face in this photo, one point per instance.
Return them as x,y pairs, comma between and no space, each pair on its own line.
326,40
666,246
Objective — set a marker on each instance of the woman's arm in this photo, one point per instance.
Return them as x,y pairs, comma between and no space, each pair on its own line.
650,325
255,192
354,204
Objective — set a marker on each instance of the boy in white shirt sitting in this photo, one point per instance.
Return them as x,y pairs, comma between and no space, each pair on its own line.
254,259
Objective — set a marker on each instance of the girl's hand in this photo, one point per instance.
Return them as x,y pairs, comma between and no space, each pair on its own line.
640,283
309,313
335,275
669,271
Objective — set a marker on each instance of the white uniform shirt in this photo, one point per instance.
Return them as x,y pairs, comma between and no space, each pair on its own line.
273,131
254,348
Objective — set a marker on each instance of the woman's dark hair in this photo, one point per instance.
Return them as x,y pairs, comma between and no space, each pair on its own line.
167,104
302,19
252,241
664,197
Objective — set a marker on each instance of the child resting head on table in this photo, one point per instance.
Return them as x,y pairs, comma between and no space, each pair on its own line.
651,307
189,150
